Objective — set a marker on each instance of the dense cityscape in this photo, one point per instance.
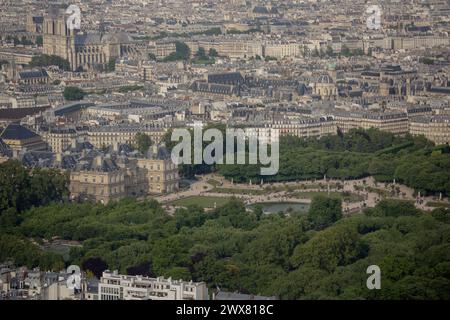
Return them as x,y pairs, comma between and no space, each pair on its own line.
351,99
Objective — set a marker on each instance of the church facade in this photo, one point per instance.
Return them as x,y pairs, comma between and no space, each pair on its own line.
83,50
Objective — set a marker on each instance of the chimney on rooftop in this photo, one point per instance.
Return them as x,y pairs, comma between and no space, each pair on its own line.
155,149
98,162
116,146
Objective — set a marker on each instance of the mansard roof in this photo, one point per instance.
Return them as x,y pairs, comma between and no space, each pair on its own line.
99,38
226,78
33,74
265,10
19,113
162,153
15,131
38,19
88,39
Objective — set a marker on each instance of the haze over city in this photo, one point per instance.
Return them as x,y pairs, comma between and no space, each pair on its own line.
224,150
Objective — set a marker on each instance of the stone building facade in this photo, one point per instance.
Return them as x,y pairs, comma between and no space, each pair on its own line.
109,178
114,286
434,128
87,51
60,139
394,122
160,172
122,134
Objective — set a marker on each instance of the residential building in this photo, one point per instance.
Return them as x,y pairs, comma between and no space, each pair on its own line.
434,128
122,134
394,122
114,286
60,139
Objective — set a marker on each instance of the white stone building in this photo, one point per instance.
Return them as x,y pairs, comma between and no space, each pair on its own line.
114,286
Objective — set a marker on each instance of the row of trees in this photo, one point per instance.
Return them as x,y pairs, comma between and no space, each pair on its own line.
329,52
143,142
50,60
182,52
359,153
73,93
210,32
202,57
25,41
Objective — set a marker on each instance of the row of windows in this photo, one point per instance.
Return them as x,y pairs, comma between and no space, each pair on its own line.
151,167
168,177
121,134
109,297
113,179
110,290
114,190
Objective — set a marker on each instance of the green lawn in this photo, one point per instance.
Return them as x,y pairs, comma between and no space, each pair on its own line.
436,204
204,202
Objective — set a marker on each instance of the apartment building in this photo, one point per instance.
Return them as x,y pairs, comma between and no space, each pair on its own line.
13,102
162,48
281,50
434,128
306,128
60,139
114,286
394,122
122,134
303,128
232,47
409,43
239,48
242,46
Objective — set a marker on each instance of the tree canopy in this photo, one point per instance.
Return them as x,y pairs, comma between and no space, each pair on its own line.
50,60
413,161
73,93
143,142
23,188
281,255
182,52
325,211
